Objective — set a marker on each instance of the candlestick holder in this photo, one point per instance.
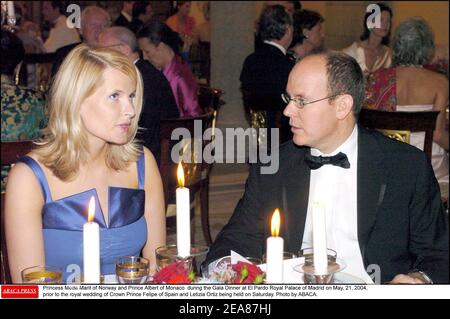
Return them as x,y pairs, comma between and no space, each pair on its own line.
166,255
335,265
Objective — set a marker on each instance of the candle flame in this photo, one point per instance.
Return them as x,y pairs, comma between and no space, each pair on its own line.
275,223
91,211
180,175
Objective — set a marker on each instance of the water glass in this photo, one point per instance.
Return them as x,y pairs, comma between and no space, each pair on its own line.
42,275
132,270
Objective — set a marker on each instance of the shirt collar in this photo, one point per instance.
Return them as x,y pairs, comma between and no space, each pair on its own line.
126,15
349,147
276,45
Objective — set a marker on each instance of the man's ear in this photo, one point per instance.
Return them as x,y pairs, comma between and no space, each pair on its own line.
344,106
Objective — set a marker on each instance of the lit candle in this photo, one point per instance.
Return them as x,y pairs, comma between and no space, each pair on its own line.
183,216
274,252
320,258
91,247
11,12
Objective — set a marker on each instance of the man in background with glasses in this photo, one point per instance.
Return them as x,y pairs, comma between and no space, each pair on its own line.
381,200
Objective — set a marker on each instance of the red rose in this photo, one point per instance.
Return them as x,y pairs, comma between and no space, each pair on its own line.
247,273
175,273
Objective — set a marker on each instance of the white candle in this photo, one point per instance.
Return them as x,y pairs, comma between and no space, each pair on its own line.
274,252
11,12
183,216
319,240
91,248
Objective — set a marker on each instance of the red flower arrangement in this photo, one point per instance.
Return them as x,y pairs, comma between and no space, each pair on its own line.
175,273
247,273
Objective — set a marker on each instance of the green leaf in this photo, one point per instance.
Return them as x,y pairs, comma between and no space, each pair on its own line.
191,275
244,273
259,279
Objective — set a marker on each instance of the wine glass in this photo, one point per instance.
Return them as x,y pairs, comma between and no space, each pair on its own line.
132,270
42,275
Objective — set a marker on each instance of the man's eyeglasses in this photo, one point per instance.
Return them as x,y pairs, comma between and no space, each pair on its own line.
300,103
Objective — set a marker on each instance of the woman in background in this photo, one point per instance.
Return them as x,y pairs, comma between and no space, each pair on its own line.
372,52
409,87
162,46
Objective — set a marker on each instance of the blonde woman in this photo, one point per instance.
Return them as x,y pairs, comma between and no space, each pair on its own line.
88,151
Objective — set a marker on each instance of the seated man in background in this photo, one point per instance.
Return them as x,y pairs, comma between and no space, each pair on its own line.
265,72
159,102
381,199
93,20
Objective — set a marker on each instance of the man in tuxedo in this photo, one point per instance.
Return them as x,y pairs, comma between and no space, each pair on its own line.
159,102
125,18
381,199
265,72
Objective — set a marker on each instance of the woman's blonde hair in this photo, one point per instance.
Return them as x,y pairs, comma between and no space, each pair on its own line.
64,146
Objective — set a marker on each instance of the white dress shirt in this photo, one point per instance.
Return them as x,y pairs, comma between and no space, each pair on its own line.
336,189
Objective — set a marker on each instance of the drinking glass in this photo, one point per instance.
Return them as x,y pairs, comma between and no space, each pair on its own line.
42,275
132,270
335,265
166,255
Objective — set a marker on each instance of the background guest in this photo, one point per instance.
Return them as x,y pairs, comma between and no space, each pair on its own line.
265,72
182,23
88,151
125,18
93,21
308,34
159,102
22,108
60,35
142,13
407,86
161,46
372,52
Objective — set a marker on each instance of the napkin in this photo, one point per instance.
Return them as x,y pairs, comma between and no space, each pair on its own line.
290,276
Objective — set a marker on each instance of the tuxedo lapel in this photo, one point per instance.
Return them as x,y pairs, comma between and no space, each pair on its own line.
294,198
371,185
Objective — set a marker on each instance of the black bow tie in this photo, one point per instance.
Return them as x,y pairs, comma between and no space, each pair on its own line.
315,162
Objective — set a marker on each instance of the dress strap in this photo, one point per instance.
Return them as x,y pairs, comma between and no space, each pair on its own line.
37,170
141,170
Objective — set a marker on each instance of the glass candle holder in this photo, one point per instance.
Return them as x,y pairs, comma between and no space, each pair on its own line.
166,255
335,265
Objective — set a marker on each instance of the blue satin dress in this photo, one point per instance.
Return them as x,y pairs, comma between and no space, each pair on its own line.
63,221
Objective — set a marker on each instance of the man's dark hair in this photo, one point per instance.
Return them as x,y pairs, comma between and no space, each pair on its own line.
273,23
297,5
304,20
60,5
12,52
139,7
157,32
366,33
345,76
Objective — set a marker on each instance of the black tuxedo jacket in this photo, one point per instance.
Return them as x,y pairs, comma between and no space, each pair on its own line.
265,74
158,103
266,71
401,222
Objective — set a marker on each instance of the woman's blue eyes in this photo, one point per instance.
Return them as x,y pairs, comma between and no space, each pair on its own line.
115,96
